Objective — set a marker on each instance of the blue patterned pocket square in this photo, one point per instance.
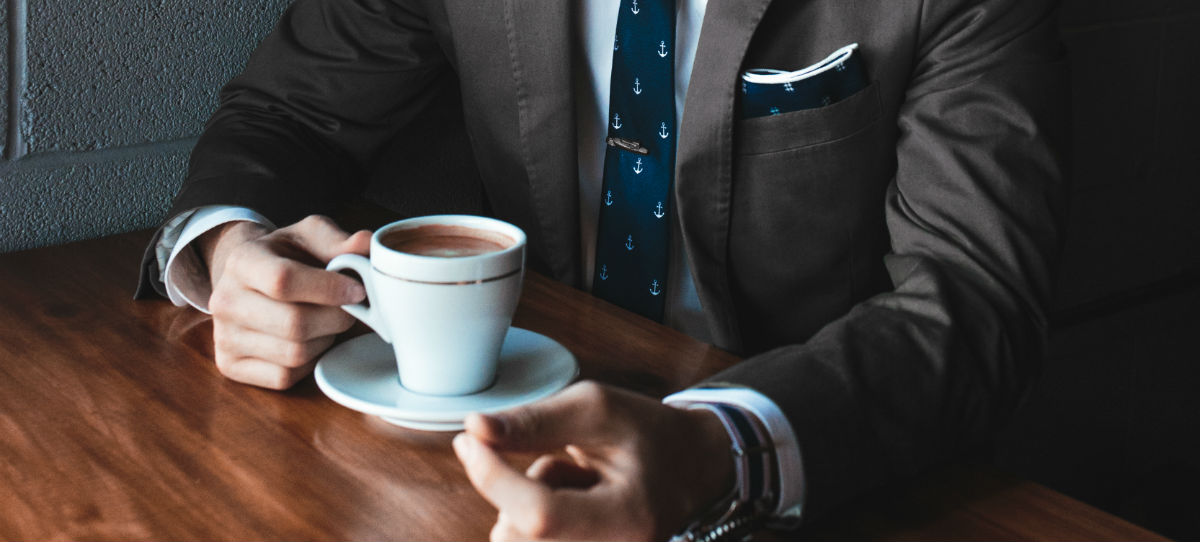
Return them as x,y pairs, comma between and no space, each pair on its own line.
771,92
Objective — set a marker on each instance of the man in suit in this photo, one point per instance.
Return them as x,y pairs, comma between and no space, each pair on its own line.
884,262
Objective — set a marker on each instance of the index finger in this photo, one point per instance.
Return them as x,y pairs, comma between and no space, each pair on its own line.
287,280
520,498
321,238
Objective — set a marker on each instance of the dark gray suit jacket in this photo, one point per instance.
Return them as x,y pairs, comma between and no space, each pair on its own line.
885,261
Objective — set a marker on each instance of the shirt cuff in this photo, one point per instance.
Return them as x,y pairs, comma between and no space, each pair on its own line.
184,275
790,471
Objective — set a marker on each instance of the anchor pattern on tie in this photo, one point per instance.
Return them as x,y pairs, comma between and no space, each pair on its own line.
633,233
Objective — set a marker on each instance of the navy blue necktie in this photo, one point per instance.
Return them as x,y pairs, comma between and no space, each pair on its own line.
639,163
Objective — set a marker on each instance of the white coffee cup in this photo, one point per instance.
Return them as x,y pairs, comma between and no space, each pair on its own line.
445,313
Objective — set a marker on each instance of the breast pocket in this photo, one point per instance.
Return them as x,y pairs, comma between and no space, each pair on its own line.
774,133
806,224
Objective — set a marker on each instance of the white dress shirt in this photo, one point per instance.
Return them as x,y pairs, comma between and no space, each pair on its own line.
187,283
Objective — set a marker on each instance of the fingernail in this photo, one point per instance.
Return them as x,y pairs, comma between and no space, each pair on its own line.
355,293
483,424
462,446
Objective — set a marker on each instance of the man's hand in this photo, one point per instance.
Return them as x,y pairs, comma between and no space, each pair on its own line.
275,308
634,469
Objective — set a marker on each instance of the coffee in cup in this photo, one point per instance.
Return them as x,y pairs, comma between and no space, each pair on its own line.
442,290
445,241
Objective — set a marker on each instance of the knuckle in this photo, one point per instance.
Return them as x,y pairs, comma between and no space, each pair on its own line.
293,326
221,302
279,280
342,322
224,363
281,379
505,531
217,301
295,354
541,524
314,222
222,341
593,393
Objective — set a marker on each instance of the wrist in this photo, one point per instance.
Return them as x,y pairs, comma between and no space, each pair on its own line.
753,495
214,246
718,477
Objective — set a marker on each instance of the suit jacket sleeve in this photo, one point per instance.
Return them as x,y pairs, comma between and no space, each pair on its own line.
914,375
334,81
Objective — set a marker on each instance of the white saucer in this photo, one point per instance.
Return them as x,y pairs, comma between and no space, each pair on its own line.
360,374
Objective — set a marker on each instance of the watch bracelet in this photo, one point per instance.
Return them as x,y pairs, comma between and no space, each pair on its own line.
736,515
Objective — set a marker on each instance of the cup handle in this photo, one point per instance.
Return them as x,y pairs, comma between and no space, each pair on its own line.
369,314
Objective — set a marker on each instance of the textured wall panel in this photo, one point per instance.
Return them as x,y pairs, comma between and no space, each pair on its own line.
102,194
1179,144
4,67
1114,104
1115,81
1112,419
106,74
1092,12
1135,211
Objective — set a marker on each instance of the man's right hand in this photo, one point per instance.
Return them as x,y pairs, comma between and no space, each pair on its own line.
275,308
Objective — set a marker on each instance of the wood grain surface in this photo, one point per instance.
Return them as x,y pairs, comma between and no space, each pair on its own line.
114,424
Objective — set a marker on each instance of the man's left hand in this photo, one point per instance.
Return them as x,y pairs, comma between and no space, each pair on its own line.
616,465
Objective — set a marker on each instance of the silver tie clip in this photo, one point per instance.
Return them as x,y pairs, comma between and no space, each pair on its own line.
628,145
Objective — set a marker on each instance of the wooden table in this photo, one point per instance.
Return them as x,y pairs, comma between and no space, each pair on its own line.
114,423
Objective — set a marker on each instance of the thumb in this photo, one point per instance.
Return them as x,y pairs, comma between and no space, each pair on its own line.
359,243
580,415
498,482
320,237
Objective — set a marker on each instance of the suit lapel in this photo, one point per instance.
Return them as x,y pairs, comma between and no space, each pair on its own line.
704,159
539,48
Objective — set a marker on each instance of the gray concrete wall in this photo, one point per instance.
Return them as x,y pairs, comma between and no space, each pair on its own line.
101,102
